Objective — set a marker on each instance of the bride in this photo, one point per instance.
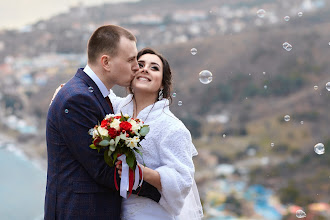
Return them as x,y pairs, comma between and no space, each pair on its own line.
167,149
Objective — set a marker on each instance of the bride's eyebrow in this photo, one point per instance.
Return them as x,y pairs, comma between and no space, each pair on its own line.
152,63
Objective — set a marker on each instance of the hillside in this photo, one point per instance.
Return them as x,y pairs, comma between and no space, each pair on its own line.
255,84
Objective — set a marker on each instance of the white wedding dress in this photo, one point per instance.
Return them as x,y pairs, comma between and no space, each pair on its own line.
168,149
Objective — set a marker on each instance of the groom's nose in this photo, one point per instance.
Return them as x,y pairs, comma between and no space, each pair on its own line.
135,68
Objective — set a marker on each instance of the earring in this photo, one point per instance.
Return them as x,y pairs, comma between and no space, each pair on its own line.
160,94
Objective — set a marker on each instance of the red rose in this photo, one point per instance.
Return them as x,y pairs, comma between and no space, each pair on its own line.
124,125
97,140
104,123
117,117
112,132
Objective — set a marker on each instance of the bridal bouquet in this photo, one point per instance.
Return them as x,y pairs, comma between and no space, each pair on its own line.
120,135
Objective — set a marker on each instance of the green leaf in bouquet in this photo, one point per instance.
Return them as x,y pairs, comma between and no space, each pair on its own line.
130,159
93,146
122,118
138,151
106,138
108,159
104,143
115,154
144,130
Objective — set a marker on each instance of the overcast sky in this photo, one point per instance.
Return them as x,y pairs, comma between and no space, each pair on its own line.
17,13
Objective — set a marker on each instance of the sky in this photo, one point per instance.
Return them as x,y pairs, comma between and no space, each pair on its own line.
15,14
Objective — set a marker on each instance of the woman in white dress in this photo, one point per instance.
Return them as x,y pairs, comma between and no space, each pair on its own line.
167,149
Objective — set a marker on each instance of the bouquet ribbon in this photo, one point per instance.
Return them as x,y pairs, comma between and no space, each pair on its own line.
128,177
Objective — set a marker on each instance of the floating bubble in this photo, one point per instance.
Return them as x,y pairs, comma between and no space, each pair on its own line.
327,86
265,86
287,118
300,14
224,135
179,103
193,51
319,148
300,214
286,18
287,46
302,122
174,95
316,87
205,77
66,111
272,144
90,89
264,73
261,13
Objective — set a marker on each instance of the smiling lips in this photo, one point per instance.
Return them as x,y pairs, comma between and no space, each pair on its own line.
142,78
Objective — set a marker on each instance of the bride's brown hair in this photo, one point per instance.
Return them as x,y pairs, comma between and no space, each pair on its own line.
167,73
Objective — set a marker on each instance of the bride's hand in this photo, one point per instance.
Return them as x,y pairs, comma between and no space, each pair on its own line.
119,167
56,91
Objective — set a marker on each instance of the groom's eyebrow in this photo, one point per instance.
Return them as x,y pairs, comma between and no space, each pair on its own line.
132,58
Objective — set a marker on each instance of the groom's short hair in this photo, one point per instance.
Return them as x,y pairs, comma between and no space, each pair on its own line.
105,40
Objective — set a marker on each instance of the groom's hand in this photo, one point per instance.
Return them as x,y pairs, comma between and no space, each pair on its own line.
119,167
55,93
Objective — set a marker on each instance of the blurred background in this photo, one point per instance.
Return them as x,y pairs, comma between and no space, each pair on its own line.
259,116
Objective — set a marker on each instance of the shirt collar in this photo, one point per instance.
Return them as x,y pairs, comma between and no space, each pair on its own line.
105,92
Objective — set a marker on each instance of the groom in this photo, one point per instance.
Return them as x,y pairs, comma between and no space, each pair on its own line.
80,185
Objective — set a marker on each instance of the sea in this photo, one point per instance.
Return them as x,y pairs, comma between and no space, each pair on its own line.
22,185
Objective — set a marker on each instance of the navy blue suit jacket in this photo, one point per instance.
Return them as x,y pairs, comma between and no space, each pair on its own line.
80,185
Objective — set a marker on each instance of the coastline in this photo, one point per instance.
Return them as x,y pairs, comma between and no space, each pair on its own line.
23,151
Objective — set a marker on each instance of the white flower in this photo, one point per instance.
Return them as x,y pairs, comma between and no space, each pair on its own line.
103,131
123,136
132,142
109,116
135,126
115,124
126,116
95,134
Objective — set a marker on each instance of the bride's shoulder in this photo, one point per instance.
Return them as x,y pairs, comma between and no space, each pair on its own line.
169,119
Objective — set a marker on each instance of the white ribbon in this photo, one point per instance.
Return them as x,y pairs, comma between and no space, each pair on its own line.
124,181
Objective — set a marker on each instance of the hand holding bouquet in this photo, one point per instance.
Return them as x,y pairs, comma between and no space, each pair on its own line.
120,135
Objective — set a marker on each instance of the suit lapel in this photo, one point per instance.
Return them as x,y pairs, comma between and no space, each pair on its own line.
95,89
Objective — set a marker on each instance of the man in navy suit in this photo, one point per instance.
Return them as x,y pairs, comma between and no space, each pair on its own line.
80,185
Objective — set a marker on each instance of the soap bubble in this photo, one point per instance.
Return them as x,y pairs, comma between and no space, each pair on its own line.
300,214
261,13
193,51
205,77
287,46
319,148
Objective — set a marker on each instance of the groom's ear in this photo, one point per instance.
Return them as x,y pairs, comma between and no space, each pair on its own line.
106,62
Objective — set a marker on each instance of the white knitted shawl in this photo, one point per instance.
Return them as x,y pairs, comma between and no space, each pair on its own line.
167,148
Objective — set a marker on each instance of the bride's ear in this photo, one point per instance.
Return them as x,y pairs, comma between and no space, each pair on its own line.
106,62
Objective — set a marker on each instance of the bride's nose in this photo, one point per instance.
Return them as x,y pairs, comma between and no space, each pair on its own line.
144,69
